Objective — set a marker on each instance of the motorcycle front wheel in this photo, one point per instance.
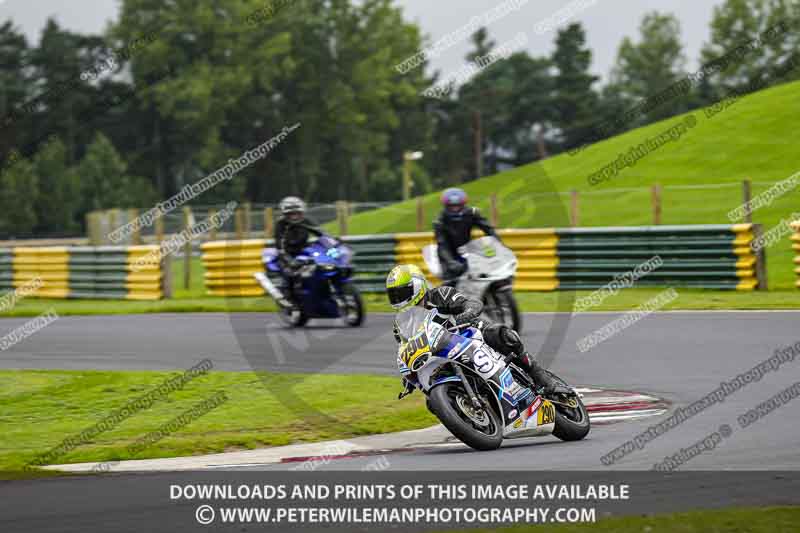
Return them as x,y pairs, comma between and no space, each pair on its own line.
478,429
354,316
293,317
572,423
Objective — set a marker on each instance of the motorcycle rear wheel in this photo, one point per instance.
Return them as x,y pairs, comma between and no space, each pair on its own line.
482,431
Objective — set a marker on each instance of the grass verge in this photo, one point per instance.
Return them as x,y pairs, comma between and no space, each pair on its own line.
42,408
760,520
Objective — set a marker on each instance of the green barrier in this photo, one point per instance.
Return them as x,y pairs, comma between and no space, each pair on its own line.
702,256
708,256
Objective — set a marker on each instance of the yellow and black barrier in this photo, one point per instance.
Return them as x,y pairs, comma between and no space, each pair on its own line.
702,256
97,272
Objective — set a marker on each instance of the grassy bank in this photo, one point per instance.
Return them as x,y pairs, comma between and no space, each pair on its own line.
41,408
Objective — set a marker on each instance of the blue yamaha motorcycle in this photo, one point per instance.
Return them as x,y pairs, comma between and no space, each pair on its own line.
325,288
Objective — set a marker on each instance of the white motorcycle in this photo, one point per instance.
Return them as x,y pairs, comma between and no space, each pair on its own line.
489,277
479,395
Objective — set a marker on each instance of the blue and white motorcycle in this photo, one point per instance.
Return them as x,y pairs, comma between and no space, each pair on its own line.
479,395
326,289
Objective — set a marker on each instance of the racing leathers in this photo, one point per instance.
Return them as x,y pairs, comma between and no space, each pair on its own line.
448,301
453,231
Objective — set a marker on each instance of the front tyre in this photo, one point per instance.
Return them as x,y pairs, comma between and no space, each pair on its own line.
481,430
354,314
572,423
293,317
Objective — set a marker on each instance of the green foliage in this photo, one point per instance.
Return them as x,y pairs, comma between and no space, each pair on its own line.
17,202
574,99
59,198
173,90
105,181
648,67
737,22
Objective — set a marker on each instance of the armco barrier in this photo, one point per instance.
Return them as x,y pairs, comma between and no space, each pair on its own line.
230,265
107,272
703,256
795,247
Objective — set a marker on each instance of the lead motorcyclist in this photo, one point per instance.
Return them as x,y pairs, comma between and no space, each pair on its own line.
292,232
453,229
407,286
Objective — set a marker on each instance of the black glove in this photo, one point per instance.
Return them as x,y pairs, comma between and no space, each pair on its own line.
467,317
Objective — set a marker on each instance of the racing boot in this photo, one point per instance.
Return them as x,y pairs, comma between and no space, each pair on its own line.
539,375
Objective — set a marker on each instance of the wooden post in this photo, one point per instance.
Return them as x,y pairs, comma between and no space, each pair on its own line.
269,229
212,232
493,214
166,275
238,223
573,212
746,197
114,216
187,248
94,227
341,215
420,214
761,260
159,229
136,236
656,201
247,220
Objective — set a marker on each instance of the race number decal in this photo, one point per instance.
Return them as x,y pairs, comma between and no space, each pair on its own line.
484,363
547,413
414,348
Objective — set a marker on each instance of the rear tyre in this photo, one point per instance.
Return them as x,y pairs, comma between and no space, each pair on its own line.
481,430
572,423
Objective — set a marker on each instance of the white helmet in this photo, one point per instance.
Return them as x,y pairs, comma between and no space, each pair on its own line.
292,204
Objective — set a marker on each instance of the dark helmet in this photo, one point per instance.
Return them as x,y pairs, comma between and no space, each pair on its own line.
454,201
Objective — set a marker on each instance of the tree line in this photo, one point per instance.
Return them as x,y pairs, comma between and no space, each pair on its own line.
172,91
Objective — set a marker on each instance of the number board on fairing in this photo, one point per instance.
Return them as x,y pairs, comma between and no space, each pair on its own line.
414,348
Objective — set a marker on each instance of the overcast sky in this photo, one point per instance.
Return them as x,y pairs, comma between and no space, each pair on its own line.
606,22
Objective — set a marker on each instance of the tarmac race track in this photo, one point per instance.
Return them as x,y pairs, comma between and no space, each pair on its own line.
677,356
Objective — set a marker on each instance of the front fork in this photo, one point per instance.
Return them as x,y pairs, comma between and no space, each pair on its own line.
473,398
